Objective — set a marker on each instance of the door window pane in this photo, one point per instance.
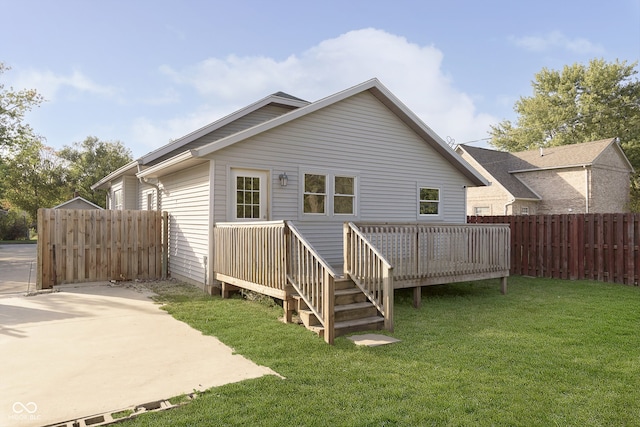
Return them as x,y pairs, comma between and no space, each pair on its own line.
247,197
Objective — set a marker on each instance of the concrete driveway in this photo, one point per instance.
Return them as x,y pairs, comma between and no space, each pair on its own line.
17,269
96,348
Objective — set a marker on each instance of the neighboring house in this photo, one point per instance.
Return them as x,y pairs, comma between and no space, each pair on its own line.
591,177
357,155
77,203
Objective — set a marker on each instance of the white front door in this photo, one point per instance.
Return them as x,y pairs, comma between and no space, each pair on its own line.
249,195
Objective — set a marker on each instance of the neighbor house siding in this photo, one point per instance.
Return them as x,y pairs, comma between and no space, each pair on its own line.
358,136
493,197
609,190
185,196
562,190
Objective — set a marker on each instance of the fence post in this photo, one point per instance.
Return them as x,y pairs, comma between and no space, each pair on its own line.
42,244
165,245
346,248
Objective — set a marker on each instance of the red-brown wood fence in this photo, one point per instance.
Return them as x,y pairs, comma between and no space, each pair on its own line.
603,247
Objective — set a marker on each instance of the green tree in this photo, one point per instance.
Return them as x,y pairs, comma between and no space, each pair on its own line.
581,103
13,106
35,177
91,160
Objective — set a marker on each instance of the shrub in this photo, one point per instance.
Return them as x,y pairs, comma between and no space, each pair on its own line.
13,225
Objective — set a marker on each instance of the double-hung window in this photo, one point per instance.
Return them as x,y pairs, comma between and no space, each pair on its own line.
344,195
117,199
315,194
329,195
429,201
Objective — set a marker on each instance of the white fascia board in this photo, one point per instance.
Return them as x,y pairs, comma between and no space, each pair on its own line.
418,126
104,182
285,118
380,92
190,137
181,161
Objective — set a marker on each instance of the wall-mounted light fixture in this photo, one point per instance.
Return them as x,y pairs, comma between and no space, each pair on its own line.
284,179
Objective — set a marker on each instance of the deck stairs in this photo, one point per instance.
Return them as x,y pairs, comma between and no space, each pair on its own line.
353,311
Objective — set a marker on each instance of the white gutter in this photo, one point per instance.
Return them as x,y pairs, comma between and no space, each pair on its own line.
173,161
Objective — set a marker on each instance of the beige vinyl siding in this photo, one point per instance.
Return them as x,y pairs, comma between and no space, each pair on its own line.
145,190
254,118
185,196
130,196
357,136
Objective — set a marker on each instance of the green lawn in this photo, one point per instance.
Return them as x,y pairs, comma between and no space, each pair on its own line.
550,352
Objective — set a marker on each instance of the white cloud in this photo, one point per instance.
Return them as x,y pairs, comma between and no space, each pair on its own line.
50,84
557,40
412,72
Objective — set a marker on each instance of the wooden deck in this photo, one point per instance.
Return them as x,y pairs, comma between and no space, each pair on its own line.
273,258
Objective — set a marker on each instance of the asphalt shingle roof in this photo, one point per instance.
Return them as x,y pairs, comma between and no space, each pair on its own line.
500,164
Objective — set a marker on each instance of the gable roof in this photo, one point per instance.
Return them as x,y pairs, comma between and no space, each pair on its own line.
503,165
375,88
78,199
278,98
498,164
563,156
129,169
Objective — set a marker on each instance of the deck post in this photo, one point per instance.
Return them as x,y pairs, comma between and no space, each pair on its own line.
503,285
388,300
417,296
346,248
287,305
328,307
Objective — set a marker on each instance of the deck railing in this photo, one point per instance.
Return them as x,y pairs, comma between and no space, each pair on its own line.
271,258
313,278
251,255
370,271
427,254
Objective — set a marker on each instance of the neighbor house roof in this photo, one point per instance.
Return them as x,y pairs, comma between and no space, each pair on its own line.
373,86
498,164
503,165
563,156
77,199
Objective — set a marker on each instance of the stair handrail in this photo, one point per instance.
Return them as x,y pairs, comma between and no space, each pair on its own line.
369,270
313,278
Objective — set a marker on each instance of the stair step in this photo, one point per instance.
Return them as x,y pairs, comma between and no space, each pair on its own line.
356,310
308,318
344,283
349,296
373,323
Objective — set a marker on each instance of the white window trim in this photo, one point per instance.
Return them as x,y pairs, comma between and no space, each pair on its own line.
418,200
330,189
115,199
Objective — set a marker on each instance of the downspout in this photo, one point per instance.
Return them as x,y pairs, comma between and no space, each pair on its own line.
586,188
157,188
509,203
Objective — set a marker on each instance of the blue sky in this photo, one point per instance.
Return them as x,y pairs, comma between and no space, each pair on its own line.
145,72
